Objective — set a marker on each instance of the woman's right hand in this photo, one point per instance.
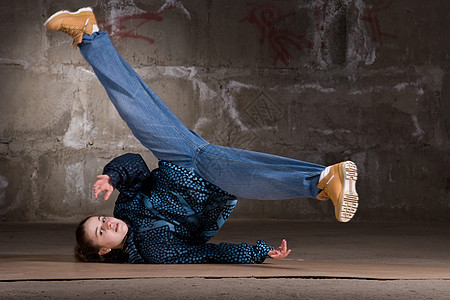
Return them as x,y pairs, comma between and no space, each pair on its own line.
280,252
103,184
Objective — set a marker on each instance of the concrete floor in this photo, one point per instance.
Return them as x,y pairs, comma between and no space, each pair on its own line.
329,260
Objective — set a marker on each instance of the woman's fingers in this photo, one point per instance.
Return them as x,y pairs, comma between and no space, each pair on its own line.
283,245
281,252
97,188
103,184
108,193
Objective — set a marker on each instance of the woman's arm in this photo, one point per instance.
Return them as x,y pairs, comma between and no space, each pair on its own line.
126,173
215,253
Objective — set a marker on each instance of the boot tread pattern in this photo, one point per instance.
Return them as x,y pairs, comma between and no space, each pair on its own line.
350,199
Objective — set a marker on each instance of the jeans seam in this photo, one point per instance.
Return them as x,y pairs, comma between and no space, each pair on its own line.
198,150
243,162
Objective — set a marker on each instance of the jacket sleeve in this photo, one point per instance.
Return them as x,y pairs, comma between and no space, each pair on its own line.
128,174
210,253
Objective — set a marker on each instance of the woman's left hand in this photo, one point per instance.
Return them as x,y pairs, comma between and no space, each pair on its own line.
103,184
281,252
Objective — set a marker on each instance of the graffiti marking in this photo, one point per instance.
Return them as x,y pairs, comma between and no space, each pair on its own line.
371,17
268,18
119,29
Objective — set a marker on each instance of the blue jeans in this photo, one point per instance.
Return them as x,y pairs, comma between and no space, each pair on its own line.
239,172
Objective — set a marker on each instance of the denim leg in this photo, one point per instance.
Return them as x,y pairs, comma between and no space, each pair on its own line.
239,172
150,120
256,175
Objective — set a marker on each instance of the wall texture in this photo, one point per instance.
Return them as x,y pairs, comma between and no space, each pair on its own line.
321,81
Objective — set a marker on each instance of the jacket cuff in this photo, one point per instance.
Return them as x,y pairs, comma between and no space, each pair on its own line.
263,249
113,176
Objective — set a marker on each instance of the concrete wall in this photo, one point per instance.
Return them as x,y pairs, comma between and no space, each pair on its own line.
321,81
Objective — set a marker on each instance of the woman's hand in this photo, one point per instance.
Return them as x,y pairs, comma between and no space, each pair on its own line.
281,252
103,184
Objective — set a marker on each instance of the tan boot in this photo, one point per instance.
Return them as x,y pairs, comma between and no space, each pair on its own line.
339,186
74,24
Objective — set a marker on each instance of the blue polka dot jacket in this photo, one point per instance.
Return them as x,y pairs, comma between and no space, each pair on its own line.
172,214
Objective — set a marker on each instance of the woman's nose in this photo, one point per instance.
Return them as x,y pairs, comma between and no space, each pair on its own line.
107,226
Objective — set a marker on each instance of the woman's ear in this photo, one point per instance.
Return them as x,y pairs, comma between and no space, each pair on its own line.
104,251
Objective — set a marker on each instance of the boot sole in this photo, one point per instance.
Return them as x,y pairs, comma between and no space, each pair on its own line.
84,9
349,196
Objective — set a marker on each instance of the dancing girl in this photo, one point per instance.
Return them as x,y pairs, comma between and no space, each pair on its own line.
168,215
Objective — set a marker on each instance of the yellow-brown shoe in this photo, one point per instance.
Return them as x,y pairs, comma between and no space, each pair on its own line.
339,186
74,24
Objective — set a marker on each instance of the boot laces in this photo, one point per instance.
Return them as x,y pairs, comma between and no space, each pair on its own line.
73,31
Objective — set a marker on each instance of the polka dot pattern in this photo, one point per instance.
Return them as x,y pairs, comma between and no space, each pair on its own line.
173,213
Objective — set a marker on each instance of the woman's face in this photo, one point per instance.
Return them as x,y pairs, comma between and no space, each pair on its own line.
106,232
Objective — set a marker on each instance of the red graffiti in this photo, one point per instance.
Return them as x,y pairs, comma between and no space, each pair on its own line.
124,32
268,18
371,16
119,30
320,22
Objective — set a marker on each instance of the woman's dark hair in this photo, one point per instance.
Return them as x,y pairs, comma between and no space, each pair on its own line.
86,251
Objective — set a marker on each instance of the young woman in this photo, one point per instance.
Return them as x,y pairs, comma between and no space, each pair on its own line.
169,214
